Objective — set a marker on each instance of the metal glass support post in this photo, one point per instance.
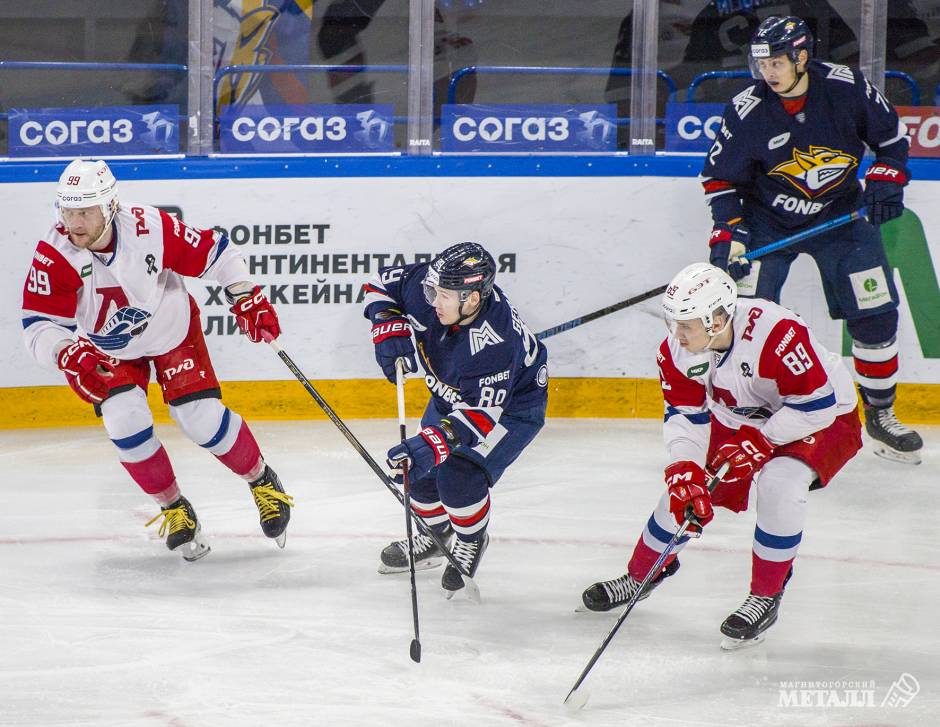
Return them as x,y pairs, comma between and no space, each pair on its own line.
420,77
199,96
643,80
872,41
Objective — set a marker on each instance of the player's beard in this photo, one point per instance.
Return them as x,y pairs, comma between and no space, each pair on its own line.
90,237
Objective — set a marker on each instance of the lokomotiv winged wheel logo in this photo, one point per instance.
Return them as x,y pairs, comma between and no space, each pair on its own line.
816,171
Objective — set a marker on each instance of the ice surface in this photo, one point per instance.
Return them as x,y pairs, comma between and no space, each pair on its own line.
101,625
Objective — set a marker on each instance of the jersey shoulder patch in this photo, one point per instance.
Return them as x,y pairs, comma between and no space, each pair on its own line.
838,72
745,102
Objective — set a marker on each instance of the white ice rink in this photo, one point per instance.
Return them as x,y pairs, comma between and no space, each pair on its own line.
101,625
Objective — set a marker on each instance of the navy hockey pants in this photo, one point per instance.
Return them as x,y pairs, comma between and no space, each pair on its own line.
856,278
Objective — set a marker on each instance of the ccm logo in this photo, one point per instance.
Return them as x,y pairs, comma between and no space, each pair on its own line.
187,365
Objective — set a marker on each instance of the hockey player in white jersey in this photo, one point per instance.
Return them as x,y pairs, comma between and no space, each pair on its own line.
746,383
104,301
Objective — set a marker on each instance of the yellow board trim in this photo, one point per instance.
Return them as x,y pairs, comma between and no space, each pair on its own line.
58,406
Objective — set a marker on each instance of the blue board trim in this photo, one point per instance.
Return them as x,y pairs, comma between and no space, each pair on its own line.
663,165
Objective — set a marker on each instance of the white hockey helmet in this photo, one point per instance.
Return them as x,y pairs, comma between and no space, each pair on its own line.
87,183
696,292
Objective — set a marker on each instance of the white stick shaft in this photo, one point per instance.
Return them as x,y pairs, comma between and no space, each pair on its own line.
400,385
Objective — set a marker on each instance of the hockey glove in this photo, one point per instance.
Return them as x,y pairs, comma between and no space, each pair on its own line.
422,453
87,370
884,192
728,243
255,315
391,334
746,452
688,494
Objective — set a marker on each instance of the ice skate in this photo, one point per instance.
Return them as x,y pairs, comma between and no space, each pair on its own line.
273,505
746,626
427,554
606,595
468,553
892,439
181,528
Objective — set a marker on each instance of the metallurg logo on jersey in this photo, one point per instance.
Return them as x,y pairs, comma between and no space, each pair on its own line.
816,171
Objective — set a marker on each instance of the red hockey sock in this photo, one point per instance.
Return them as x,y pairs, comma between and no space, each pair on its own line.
643,559
244,458
154,474
767,576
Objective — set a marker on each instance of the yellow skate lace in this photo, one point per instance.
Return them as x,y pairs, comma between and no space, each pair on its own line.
175,519
266,498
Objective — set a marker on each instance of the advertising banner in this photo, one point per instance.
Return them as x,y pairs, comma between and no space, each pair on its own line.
319,129
564,247
923,125
94,132
691,127
512,128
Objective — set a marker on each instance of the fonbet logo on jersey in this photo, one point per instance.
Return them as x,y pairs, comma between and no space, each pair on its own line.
816,171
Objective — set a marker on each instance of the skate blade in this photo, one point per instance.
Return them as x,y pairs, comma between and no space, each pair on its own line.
281,540
729,644
470,588
894,455
194,550
584,609
420,565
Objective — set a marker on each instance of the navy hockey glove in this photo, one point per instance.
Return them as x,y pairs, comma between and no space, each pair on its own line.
884,192
730,242
423,452
391,334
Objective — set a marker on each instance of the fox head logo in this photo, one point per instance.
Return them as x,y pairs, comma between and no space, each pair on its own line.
817,171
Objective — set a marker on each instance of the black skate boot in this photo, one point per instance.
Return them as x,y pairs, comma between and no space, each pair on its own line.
181,528
606,595
273,505
745,626
427,554
893,440
468,553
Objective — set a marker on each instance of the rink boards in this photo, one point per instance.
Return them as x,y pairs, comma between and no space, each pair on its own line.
571,235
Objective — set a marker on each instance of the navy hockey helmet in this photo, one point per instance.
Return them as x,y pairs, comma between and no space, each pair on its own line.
777,36
464,267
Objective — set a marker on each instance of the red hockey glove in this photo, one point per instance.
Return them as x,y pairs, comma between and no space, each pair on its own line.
256,316
745,452
884,192
87,370
688,494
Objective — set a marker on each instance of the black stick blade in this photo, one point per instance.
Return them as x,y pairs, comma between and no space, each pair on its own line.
416,651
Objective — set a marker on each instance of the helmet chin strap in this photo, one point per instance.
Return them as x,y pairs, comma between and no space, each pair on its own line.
462,317
799,77
713,336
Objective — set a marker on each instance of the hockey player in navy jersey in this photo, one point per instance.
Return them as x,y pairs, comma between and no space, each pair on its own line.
746,383
488,378
785,159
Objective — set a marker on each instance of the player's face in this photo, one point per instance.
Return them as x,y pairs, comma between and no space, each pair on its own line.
86,225
779,72
691,335
446,305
